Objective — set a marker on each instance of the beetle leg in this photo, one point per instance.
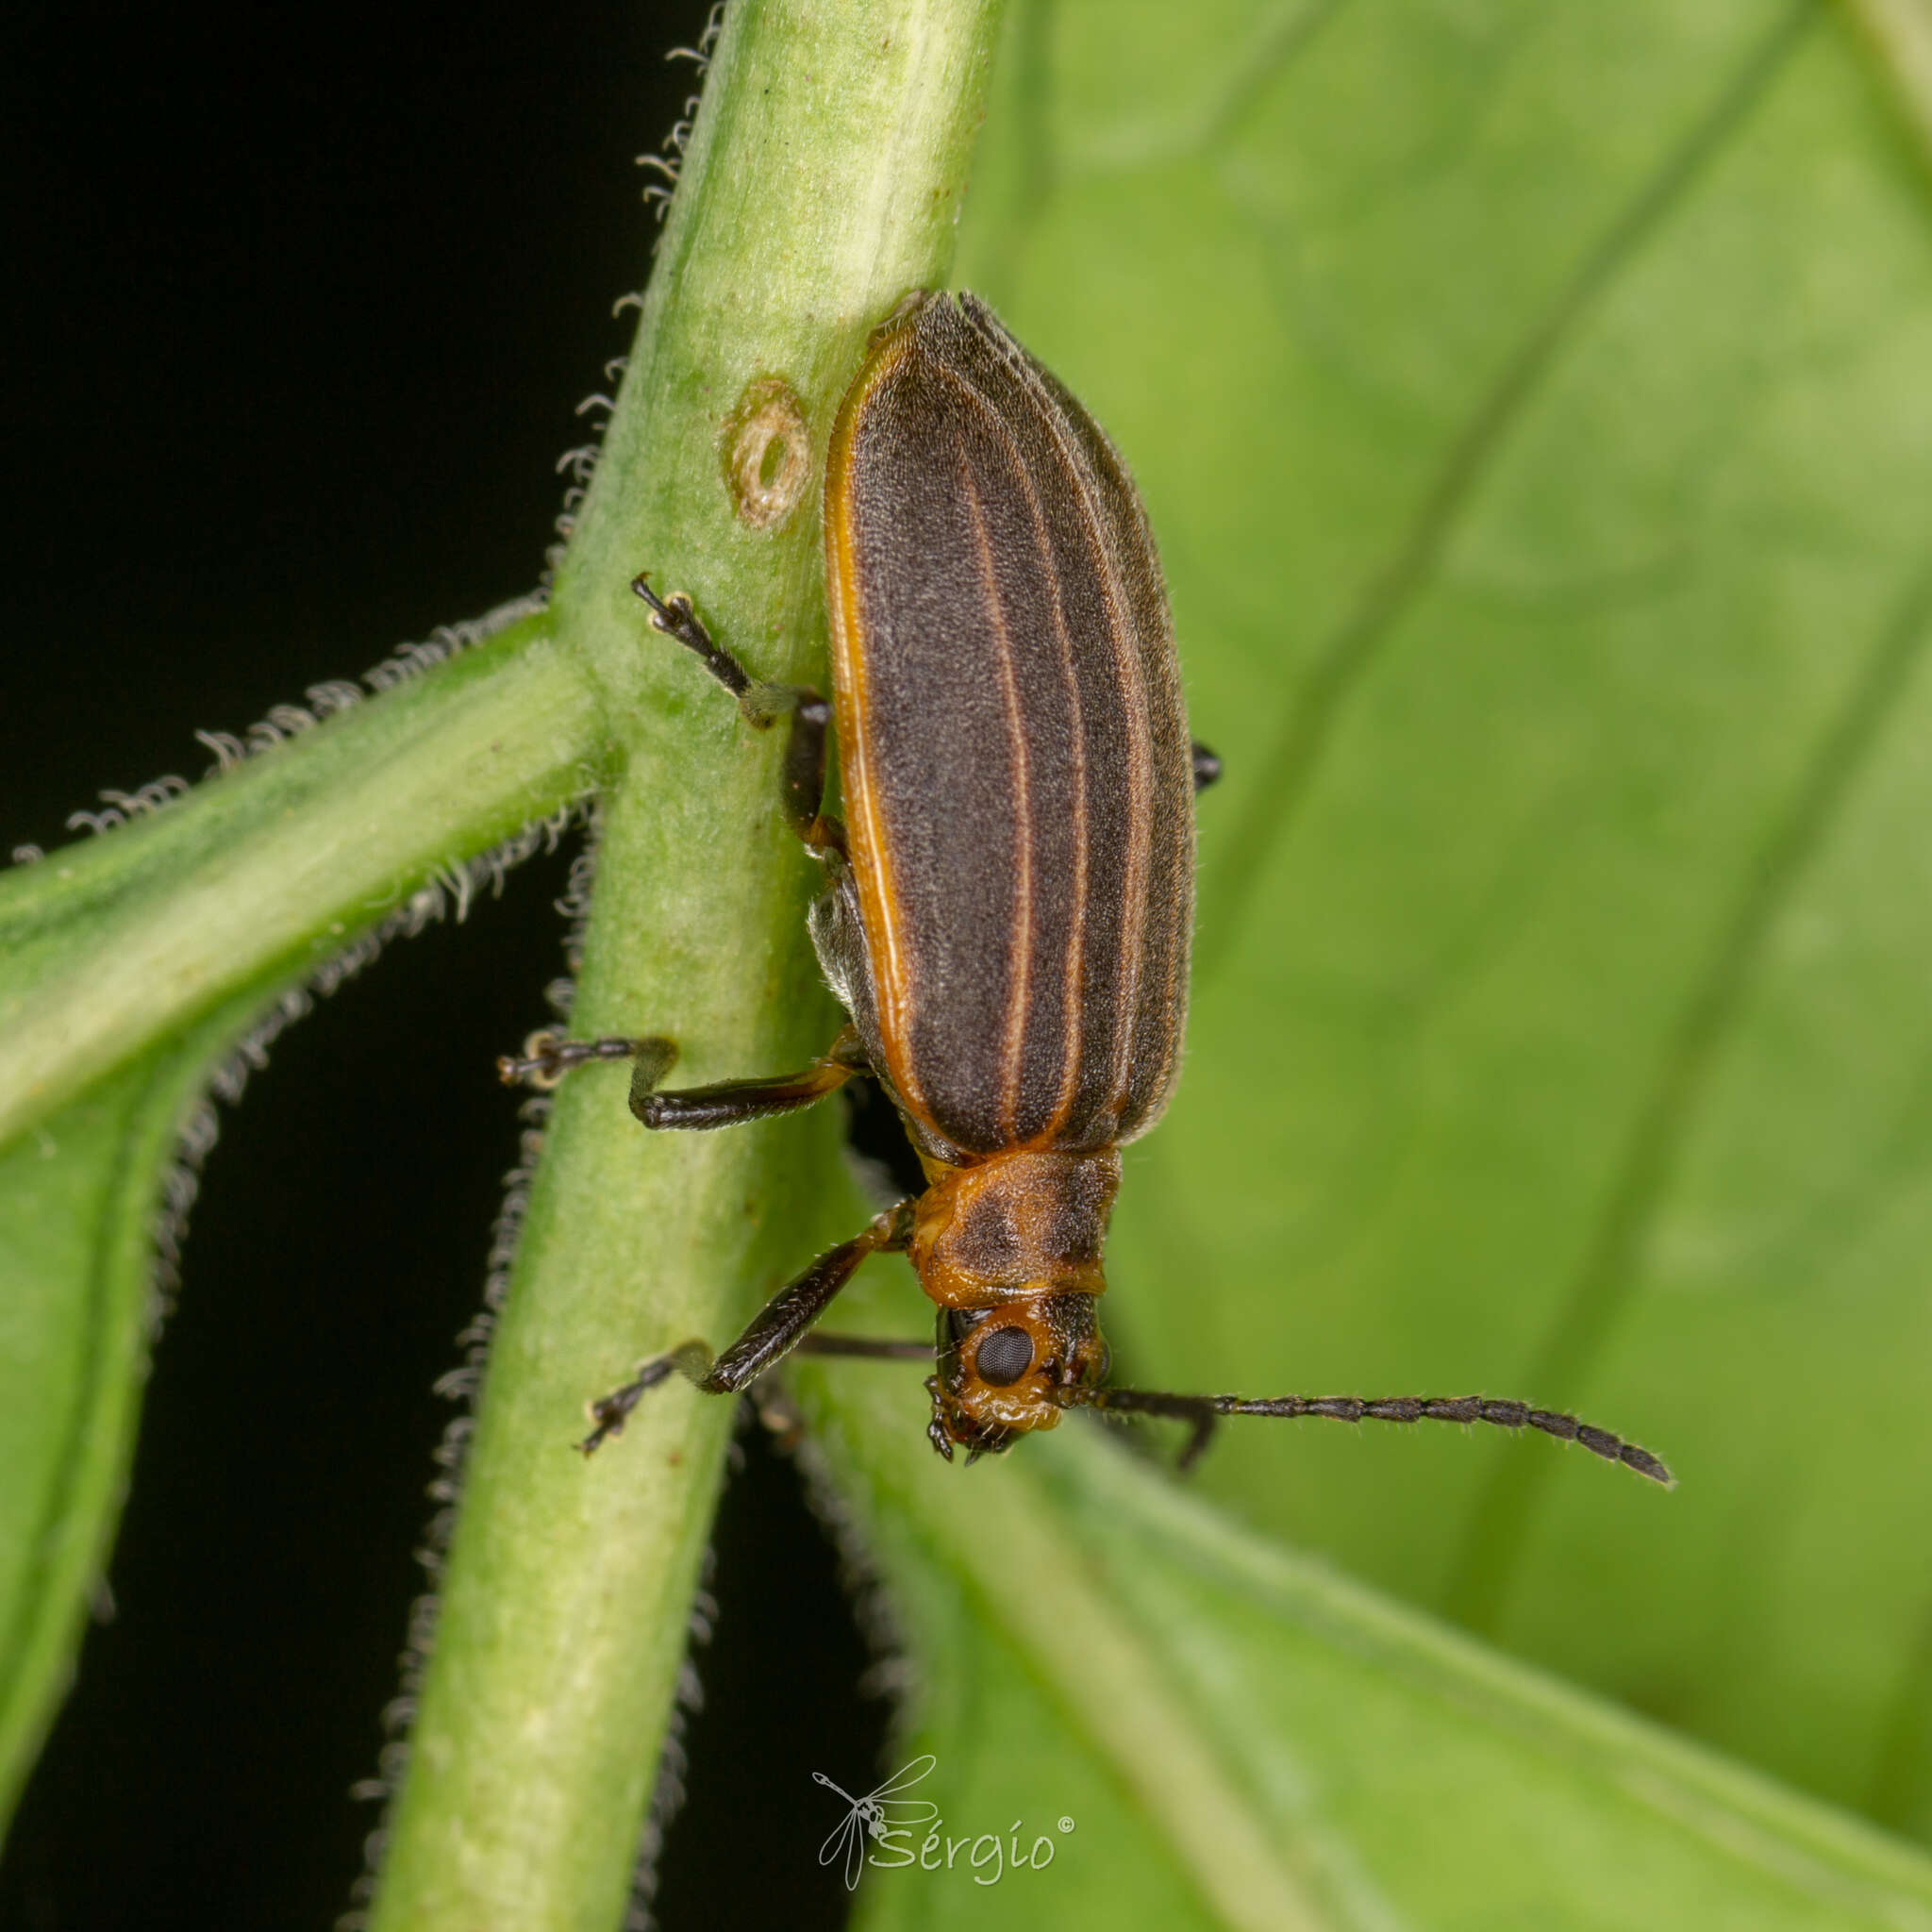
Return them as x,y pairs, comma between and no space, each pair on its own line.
546,1057
772,1333
676,618
1207,767
805,769
728,1102
762,705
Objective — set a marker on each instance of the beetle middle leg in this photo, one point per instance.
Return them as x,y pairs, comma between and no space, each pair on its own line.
546,1060
728,1102
762,705
778,1328
547,1057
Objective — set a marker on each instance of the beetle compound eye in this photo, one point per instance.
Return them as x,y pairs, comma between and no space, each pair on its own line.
1004,1356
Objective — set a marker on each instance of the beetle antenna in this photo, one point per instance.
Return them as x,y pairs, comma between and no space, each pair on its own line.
1204,1412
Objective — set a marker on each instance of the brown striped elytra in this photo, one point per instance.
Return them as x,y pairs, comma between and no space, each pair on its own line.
1020,797
1009,896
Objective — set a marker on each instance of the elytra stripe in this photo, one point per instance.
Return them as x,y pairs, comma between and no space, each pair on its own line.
1075,960
1077,737
1123,635
878,902
1021,950
1160,1000
1156,1022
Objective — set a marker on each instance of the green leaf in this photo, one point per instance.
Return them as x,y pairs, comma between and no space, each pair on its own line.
78,1200
1533,407
820,183
1532,404
129,965
1208,1731
267,872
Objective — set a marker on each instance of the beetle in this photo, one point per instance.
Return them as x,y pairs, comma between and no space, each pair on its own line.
1009,902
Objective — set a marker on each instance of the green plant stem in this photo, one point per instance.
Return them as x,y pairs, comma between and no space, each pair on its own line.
260,876
821,184
1032,1578
1082,1580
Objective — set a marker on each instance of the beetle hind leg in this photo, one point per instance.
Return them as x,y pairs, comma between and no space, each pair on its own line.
777,1328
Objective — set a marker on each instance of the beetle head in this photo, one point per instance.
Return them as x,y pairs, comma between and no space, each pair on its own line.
1009,1249
1002,1370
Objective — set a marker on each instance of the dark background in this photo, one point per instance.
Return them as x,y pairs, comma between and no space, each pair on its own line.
302,301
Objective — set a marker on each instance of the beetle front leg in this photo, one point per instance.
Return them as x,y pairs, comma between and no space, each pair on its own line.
761,705
773,1332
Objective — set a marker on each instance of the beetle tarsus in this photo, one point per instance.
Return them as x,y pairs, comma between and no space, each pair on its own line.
761,704
692,1359
548,1057
676,618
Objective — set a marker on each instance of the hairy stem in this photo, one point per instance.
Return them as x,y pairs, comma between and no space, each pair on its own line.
821,183
111,947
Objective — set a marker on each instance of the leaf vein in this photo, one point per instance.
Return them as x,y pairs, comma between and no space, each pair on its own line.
1603,1283
1287,771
